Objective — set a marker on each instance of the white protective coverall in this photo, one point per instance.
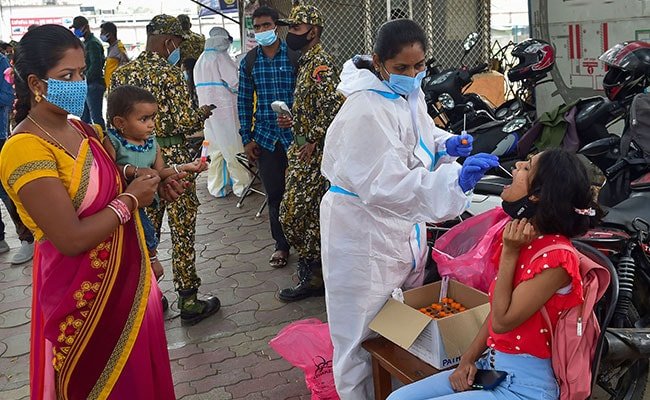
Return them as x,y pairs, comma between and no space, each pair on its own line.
387,179
217,80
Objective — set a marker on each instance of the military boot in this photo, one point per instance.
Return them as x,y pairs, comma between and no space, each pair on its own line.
310,283
194,310
303,266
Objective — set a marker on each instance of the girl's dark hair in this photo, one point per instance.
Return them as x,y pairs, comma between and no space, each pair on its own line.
394,35
122,100
37,52
562,185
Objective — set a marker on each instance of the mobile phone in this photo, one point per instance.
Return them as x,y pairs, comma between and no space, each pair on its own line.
488,379
281,108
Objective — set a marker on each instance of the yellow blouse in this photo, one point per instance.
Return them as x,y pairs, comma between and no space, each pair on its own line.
26,157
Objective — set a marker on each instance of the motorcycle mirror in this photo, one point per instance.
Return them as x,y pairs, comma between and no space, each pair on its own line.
470,41
600,146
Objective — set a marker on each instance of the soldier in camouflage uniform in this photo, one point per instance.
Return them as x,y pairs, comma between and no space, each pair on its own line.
191,49
316,102
154,71
193,45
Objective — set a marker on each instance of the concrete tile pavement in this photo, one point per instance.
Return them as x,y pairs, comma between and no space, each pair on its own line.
224,357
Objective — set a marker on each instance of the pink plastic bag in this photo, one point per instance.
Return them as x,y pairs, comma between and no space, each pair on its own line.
307,345
465,252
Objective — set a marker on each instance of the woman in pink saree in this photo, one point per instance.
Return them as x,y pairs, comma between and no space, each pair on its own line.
97,324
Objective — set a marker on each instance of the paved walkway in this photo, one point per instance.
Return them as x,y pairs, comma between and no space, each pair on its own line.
224,357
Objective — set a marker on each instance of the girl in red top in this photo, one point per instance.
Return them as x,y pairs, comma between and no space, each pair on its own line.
551,201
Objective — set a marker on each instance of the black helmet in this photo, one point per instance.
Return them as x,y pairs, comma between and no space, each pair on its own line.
628,68
536,58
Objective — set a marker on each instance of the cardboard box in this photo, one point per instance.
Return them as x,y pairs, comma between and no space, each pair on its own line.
438,342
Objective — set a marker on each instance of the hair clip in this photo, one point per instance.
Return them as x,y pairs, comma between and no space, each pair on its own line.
589,212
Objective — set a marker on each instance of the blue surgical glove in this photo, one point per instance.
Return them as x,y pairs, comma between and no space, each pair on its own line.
455,146
474,168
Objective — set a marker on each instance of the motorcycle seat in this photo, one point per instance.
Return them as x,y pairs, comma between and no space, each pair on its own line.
491,185
624,213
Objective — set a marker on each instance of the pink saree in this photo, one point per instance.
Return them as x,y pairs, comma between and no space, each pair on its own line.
97,324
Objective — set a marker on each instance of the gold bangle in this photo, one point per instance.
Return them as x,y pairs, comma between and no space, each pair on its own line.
132,196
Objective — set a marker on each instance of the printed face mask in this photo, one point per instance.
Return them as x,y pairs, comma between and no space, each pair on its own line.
404,85
518,209
69,96
266,38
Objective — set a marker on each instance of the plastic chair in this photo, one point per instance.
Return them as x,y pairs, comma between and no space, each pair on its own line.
243,160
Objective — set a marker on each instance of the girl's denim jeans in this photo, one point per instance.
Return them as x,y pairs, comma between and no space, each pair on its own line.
528,377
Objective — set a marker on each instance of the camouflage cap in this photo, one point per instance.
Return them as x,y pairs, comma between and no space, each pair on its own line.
303,14
165,25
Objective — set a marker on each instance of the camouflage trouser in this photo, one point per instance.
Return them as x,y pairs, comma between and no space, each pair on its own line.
300,207
181,216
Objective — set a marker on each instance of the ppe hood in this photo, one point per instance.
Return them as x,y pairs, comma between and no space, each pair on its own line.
355,79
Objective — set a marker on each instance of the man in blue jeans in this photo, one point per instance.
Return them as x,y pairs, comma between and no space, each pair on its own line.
94,72
26,251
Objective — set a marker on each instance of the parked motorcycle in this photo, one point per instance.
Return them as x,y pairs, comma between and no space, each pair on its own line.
446,96
624,237
517,115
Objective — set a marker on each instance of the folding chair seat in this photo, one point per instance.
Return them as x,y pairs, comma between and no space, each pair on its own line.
243,160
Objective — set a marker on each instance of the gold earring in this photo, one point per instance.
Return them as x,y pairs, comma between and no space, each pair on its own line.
37,97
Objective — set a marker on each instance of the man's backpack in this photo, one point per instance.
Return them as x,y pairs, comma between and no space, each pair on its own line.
251,57
573,343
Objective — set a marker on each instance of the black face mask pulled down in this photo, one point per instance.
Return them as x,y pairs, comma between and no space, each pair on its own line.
297,42
518,209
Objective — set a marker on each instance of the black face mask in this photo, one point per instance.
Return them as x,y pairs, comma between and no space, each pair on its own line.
522,208
297,42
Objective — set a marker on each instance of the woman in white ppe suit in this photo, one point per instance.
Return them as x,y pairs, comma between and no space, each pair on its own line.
391,170
216,79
